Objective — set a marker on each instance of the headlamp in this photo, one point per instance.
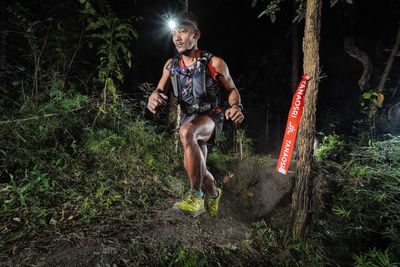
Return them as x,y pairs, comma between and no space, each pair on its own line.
172,24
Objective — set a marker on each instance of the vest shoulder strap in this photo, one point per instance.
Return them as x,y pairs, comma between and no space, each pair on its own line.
208,56
174,69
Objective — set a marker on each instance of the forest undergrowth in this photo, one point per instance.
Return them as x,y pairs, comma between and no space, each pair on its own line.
360,218
79,188
87,179
79,179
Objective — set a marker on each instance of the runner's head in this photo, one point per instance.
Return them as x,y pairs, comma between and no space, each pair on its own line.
185,34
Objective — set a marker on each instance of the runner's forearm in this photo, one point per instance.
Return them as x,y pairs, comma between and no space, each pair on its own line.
234,97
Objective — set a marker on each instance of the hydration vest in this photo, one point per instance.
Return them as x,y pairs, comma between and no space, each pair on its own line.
195,88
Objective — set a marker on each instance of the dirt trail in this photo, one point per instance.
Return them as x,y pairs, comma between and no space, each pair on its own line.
109,243
155,236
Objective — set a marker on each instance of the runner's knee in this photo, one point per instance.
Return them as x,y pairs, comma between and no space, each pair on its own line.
186,133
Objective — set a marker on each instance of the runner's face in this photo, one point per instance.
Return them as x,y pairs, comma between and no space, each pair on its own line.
185,39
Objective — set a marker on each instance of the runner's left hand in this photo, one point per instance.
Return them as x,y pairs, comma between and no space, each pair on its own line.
235,114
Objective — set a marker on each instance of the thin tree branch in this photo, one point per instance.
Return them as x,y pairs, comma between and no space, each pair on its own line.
37,117
10,100
353,51
389,64
76,51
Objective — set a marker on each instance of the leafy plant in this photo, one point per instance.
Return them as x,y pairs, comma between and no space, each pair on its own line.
332,148
63,99
190,257
273,7
365,207
375,258
219,162
34,31
261,237
371,101
304,254
43,54
339,211
112,37
243,143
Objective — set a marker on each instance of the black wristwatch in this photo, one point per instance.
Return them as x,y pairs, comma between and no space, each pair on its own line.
239,105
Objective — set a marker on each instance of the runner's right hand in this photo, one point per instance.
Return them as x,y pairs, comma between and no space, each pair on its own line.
156,99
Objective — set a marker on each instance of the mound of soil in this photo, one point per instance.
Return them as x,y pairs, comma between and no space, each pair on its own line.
256,188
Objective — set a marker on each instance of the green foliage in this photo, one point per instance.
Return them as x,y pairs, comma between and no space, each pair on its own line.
371,101
374,258
42,127
243,142
166,253
364,196
24,194
62,171
339,211
189,258
300,11
304,254
62,166
262,238
332,148
112,37
34,31
273,8
270,243
220,162
62,100
43,51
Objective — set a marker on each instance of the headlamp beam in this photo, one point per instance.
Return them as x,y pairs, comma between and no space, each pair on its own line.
172,24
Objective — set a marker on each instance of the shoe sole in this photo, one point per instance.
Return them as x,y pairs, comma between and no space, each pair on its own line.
194,215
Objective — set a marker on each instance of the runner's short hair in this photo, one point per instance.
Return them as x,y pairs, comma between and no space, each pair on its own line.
189,19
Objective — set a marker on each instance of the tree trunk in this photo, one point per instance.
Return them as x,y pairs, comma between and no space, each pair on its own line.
381,85
303,191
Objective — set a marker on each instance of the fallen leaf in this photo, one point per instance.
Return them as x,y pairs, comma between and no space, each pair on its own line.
250,194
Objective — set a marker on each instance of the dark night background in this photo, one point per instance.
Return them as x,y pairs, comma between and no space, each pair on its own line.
259,55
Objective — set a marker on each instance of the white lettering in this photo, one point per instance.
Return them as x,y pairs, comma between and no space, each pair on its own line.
297,103
285,155
282,170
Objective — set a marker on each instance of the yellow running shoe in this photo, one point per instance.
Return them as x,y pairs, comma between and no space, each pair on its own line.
212,204
192,204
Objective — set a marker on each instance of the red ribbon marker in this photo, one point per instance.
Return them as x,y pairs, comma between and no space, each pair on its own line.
292,125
